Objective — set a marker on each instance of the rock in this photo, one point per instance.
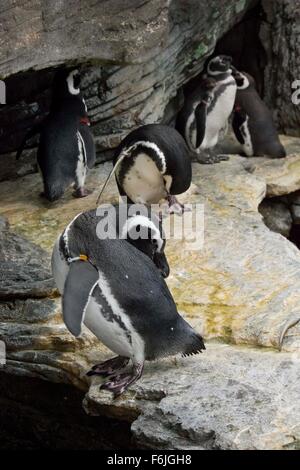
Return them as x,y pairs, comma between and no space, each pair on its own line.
277,216
295,210
144,52
228,398
282,176
24,268
241,287
280,35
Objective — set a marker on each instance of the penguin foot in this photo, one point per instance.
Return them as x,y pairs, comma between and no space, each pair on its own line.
117,384
175,207
81,192
210,159
109,367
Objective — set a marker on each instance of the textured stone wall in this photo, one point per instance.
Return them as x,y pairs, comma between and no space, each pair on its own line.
135,55
281,35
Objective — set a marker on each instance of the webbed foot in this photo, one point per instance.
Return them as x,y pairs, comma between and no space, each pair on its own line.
209,158
81,192
118,383
175,207
109,367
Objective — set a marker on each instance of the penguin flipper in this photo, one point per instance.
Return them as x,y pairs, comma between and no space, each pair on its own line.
237,122
80,283
200,116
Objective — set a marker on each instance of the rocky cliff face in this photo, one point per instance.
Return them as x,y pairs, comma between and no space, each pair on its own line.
135,55
281,35
241,290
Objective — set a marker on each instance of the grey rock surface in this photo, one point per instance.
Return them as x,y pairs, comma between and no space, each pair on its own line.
277,216
282,40
228,398
24,267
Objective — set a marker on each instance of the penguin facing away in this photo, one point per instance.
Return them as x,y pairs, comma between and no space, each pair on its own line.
66,148
252,123
153,164
120,295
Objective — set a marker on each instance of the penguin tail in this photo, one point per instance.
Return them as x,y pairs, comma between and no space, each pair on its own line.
53,193
195,345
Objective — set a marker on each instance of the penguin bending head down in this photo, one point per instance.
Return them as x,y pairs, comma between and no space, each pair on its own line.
66,148
119,294
252,122
153,164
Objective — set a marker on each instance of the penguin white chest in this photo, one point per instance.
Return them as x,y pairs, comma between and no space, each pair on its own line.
247,146
144,183
81,166
217,117
110,323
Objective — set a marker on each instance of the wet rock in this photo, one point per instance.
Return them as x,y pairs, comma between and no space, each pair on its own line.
277,216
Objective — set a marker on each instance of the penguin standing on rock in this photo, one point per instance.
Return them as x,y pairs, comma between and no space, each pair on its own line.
205,114
252,121
153,164
66,148
116,290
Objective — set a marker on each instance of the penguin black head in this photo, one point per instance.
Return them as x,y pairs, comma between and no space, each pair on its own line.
66,82
65,89
243,79
219,65
147,236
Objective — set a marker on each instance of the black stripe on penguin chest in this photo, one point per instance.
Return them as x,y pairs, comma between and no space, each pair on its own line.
129,162
108,314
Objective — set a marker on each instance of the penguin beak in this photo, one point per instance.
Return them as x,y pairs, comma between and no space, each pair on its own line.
162,264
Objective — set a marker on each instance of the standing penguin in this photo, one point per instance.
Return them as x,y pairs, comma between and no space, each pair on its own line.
202,126
152,164
252,121
66,148
191,120
116,290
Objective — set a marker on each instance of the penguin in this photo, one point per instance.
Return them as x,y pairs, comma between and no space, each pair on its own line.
153,164
66,147
191,120
203,127
252,121
117,292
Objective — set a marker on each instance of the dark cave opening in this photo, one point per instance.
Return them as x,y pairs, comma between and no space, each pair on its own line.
36,414
243,43
281,214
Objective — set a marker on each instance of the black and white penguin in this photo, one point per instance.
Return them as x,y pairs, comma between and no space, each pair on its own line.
191,120
252,122
203,129
66,148
153,164
117,292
